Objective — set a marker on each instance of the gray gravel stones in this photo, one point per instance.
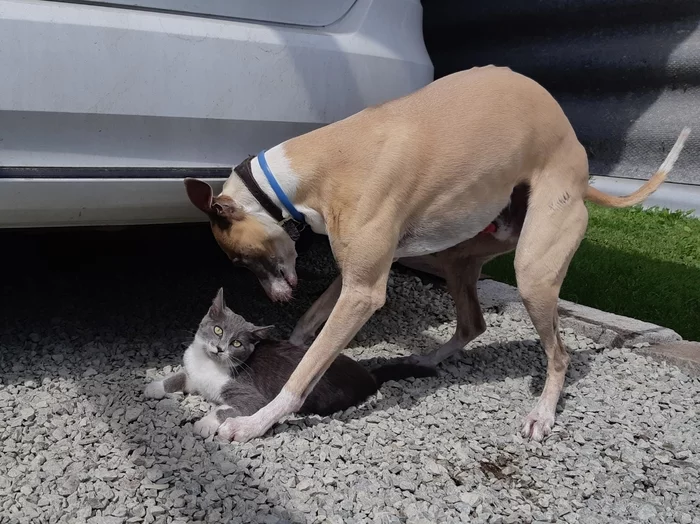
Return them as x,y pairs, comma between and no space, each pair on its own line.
81,445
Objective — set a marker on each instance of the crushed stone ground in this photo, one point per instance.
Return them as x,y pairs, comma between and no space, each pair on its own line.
81,335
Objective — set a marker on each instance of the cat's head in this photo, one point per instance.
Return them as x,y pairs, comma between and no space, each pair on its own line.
228,338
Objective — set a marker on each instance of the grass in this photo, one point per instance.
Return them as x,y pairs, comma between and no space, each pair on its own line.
637,263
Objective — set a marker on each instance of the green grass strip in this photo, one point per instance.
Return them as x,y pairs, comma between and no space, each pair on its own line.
638,263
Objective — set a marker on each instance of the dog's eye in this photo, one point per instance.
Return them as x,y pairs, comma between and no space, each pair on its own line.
218,331
236,343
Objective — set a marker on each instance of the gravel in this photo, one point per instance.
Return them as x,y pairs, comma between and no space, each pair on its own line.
82,333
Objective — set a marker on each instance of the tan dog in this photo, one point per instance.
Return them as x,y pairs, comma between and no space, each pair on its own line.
425,173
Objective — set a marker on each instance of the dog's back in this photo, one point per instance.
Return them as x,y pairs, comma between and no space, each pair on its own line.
484,131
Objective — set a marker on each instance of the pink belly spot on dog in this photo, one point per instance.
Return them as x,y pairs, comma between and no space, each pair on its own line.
491,228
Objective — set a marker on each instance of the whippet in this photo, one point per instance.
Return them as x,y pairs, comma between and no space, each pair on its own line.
430,172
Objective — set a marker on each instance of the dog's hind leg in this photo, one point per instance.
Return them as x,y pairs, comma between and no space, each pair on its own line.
554,226
461,265
318,313
461,274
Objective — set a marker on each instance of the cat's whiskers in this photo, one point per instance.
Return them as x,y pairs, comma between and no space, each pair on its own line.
231,366
239,365
242,366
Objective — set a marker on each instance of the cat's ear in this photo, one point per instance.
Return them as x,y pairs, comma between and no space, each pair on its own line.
262,333
219,305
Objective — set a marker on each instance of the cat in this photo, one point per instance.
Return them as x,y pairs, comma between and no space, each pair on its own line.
240,367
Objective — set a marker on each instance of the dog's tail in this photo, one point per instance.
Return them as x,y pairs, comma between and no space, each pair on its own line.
641,194
401,370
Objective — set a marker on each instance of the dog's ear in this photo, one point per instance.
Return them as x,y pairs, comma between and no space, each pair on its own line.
200,194
225,207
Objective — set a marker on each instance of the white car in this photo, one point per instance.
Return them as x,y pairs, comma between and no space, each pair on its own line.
104,109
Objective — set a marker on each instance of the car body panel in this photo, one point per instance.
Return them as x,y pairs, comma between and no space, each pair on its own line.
112,87
309,13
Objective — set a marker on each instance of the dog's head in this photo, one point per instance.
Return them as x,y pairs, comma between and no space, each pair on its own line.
254,241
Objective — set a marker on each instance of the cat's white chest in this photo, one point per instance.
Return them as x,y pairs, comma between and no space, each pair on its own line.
206,377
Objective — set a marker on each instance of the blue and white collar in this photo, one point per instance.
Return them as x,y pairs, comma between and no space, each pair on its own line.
296,215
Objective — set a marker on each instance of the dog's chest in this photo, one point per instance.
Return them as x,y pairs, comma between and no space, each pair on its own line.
206,377
431,235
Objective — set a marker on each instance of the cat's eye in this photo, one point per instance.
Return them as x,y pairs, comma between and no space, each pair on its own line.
236,343
218,331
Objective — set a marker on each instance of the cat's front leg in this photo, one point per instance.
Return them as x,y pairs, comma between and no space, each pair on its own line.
170,384
209,425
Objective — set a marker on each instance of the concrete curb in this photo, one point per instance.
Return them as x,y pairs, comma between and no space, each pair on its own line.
604,328
684,354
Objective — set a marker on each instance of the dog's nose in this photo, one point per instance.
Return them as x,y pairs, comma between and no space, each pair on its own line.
290,278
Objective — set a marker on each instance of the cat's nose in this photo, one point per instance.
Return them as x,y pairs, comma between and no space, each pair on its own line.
219,349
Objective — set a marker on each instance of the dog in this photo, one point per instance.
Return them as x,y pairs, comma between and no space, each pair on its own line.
433,173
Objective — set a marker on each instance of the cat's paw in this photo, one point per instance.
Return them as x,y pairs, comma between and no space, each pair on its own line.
207,426
241,429
155,390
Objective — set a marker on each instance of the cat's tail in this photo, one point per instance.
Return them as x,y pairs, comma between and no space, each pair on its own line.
400,371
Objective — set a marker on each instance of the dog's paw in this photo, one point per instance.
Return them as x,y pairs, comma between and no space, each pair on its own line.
155,390
538,424
206,426
240,429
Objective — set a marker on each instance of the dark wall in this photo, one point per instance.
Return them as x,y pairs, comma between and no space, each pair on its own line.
627,72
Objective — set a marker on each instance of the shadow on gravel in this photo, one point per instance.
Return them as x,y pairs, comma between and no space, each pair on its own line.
148,287
101,308
96,309
482,364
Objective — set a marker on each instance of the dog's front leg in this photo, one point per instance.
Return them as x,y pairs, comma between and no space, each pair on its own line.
353,309
317,314
363,291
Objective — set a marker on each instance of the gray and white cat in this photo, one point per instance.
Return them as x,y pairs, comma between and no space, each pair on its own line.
239,367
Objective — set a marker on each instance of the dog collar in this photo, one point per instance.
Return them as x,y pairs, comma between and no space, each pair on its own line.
296,215
245,173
